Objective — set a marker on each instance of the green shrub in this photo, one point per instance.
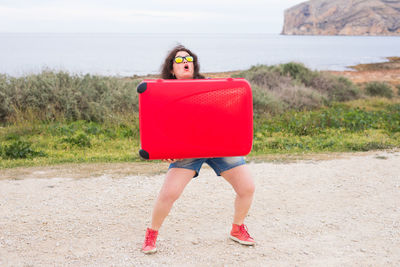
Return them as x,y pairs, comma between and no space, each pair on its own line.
20,150
80,139
11,136
398,89
379,89
336,88
298,72
392,119
293,86
52,95
300,97
126,131
5,106
336,117
60,96
265,102
266,77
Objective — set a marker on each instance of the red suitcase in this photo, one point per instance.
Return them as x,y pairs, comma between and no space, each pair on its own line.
199,118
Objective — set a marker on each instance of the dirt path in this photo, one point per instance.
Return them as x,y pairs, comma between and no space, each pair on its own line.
338,212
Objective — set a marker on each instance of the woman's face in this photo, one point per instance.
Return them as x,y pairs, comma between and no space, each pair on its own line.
183,70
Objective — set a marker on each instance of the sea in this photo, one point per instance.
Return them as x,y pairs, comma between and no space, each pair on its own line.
128,54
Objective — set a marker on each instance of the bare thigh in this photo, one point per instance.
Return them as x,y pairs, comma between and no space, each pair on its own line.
241,180
174,183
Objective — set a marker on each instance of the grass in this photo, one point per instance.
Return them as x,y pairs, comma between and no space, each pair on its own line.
71,142
359,125
339,128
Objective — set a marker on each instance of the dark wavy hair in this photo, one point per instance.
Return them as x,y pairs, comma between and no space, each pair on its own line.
166,68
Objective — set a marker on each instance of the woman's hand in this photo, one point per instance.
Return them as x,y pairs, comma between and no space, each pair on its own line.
169,160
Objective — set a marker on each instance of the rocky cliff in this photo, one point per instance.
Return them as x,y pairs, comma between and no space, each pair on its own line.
343,17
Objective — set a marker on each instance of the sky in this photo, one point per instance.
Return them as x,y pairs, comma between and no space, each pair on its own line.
144,16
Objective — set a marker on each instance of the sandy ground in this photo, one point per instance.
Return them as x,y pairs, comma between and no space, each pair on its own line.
343,211
391,76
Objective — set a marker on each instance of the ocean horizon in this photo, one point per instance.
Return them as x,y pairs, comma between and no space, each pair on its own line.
128,54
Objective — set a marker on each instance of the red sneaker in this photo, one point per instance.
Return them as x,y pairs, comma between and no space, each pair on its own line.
239,234
149,245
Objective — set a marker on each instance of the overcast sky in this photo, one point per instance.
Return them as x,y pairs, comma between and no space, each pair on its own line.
144,16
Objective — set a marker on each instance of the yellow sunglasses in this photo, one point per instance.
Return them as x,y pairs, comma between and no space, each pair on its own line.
179,60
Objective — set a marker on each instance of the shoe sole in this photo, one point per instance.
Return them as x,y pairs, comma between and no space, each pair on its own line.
150,251
247,243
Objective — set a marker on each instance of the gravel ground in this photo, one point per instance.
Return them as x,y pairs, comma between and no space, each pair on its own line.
337,212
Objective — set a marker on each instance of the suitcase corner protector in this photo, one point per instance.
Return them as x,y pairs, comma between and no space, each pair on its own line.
144,154
142,87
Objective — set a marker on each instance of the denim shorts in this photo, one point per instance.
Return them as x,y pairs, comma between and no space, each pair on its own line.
218,164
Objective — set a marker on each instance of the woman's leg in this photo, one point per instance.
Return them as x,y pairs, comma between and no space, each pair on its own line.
242,182
174,183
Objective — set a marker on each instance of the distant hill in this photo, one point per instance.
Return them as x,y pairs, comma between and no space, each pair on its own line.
343,17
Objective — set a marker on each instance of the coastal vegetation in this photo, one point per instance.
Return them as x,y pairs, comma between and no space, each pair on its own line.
379,89
392,63
57,117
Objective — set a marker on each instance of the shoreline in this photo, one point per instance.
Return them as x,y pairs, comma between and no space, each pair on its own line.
384,71
388,71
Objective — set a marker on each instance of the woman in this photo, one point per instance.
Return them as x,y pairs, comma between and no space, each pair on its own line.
181,63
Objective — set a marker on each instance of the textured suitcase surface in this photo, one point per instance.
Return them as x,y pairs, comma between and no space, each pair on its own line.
195,118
